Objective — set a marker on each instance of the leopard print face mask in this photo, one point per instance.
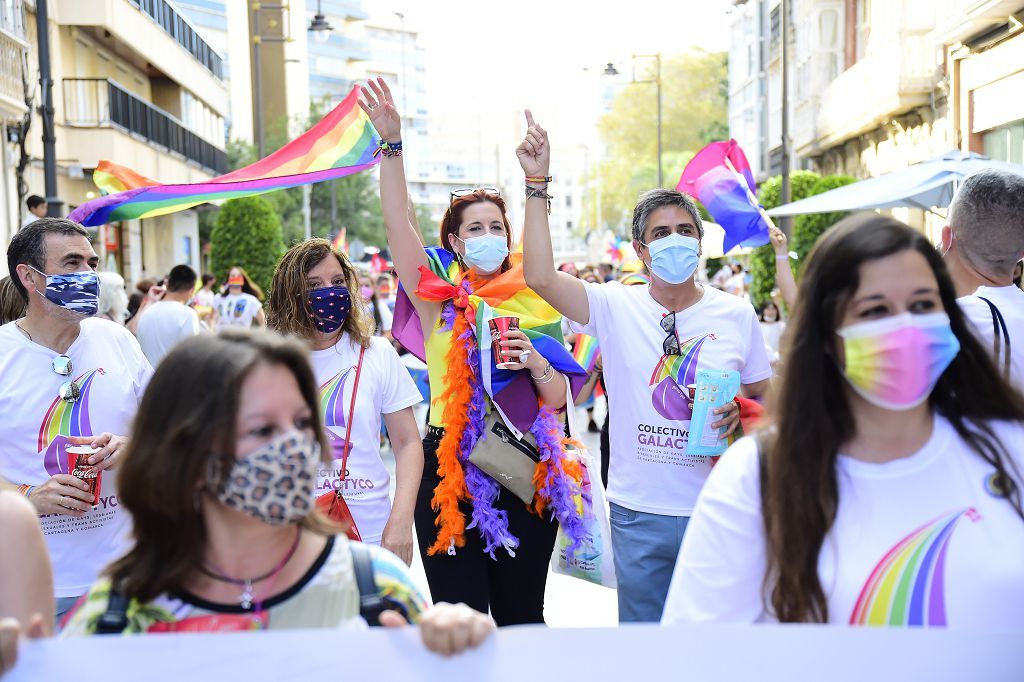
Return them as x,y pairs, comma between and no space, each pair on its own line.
275,484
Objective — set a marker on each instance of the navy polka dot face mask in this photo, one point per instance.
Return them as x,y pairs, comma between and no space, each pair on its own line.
330,307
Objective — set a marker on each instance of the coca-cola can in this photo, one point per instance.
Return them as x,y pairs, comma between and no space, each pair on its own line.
79,467
500,326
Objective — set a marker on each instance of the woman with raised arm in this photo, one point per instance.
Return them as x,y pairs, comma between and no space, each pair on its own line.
451,294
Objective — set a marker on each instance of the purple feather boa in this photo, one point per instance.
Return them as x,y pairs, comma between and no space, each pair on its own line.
491,523
559,489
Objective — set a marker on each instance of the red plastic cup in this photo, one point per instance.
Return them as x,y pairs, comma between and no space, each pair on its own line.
500,326
79,467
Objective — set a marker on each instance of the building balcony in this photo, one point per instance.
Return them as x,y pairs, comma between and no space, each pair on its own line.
959,20
102,103
12,94
154,34
893,78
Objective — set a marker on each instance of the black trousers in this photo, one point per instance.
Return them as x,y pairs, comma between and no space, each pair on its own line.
511,589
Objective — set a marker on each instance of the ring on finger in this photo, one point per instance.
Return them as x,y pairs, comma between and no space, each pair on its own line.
61,502
524,355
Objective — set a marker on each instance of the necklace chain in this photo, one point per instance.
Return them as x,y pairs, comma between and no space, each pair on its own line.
248,596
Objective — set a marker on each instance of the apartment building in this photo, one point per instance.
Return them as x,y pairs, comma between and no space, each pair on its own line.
14,77
137,84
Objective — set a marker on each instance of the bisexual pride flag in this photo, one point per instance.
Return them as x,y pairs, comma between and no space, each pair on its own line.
719,177
341,143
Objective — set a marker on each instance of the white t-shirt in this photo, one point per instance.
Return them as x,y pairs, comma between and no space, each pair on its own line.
205,298
237,310
772,332
163,325
650,470
385,387
1010,302
921,540
112,372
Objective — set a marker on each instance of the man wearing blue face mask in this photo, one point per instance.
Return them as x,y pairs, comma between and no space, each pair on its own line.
653,341
66,378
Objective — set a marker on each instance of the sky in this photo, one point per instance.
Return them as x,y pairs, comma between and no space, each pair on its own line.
496,57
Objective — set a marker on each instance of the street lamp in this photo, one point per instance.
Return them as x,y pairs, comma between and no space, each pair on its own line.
319,26
610,70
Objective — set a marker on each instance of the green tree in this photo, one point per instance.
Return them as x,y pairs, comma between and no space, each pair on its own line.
762,260
808,227
694,112
247,233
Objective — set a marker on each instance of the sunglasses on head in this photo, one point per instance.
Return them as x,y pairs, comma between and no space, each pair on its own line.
466,191
670,346
69,391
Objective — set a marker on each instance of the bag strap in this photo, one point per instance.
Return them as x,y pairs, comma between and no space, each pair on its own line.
371,601
114,620
999,333
351,415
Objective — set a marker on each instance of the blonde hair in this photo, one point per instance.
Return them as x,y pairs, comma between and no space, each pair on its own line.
287,309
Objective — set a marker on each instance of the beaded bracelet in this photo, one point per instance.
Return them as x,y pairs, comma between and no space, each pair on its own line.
389,149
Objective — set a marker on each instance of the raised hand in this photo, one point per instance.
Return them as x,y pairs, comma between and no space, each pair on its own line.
379,105
779,241
534,153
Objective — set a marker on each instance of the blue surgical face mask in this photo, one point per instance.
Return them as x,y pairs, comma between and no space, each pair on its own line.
674,258
76,291
486,253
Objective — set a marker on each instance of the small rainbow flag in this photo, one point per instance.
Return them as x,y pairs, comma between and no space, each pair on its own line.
342,143
586,351
341,241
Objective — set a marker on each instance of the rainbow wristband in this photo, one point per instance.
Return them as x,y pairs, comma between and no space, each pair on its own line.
539,178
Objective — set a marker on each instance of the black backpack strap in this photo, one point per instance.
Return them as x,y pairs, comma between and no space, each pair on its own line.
1000,332
371,601
114,620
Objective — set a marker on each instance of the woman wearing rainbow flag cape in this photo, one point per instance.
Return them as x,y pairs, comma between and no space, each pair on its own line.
886,488
480,543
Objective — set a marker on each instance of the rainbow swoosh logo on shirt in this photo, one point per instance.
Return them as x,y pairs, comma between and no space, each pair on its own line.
65,419
671,377
332,400
907,586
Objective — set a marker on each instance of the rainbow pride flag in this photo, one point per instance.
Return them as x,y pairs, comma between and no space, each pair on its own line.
720,178
506,294
341,241
586,351
340,144
112,178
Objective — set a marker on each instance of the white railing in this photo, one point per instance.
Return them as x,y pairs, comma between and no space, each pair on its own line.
12,57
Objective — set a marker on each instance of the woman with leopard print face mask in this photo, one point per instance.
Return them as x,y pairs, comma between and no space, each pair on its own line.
220,481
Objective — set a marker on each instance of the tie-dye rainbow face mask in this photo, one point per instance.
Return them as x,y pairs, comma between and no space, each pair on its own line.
896,361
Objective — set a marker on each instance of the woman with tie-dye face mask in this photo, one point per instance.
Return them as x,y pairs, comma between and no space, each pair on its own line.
316,295
886,487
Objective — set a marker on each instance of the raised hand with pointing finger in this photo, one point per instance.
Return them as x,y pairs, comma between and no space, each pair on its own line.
534,153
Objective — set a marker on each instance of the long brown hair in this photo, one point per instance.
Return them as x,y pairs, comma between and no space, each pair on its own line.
287,309
452,220
800,490
186,419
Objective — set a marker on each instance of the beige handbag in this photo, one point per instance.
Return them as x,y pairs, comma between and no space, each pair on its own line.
509,460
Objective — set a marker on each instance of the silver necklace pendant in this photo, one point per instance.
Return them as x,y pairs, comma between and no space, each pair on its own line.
246,599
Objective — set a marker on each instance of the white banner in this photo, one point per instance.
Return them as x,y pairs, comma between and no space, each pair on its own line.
640,653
